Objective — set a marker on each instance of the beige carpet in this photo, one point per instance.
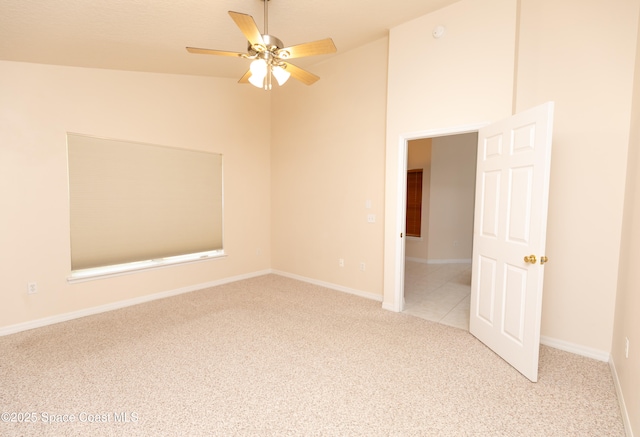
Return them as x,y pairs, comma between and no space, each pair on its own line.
272,356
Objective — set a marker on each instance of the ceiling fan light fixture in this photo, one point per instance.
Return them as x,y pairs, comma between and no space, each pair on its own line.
258,70
256,81
281,75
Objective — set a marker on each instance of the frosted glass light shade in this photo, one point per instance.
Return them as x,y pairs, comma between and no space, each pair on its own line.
281,75
258,70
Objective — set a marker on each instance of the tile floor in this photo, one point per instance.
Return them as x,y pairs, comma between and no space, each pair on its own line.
438,292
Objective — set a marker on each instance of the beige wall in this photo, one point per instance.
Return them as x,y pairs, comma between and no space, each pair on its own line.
41,103
559,58
419,157
453,181
327,161
627,321
462,79
589,76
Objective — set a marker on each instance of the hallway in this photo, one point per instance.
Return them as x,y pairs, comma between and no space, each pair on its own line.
438,292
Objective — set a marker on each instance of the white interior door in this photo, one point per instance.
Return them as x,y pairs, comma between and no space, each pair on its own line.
512,186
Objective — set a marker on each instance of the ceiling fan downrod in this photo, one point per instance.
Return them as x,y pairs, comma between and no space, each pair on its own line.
266,17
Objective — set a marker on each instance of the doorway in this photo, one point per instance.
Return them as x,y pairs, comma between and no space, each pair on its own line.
510,223
437,259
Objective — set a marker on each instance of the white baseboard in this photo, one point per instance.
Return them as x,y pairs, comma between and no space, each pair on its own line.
336,287
576,349
600,356
389,307
623,407
19,327
439,261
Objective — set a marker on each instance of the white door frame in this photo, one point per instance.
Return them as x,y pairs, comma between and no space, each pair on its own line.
397,304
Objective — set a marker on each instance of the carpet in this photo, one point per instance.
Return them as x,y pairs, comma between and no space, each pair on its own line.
273,356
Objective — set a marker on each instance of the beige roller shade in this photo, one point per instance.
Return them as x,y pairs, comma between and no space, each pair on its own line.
135,202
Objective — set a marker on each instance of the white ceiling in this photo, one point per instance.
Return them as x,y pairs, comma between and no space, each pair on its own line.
151,35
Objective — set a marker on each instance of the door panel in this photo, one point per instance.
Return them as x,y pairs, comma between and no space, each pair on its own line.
490,187
487,289
512,185
514,300
519,218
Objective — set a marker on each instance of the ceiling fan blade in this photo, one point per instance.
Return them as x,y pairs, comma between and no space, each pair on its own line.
245,78
214,52
300,74
320,47
248,27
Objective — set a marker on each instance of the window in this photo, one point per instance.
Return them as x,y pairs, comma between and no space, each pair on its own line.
136,205
414,203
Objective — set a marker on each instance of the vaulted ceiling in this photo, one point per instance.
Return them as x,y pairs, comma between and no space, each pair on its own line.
151,35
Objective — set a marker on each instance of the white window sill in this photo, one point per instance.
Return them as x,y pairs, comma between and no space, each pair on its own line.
123,269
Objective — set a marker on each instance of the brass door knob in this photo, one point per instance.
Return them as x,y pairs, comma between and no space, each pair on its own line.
530,259
544,259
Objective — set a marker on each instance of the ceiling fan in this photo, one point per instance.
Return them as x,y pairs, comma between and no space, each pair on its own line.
270,57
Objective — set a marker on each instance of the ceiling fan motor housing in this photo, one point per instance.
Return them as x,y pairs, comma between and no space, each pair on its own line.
271,44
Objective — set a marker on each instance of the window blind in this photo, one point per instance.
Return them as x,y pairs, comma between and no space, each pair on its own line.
134,202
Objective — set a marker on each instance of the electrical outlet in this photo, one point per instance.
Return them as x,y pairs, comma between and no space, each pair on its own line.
371,218
626,347
32,287
363,266
341,262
